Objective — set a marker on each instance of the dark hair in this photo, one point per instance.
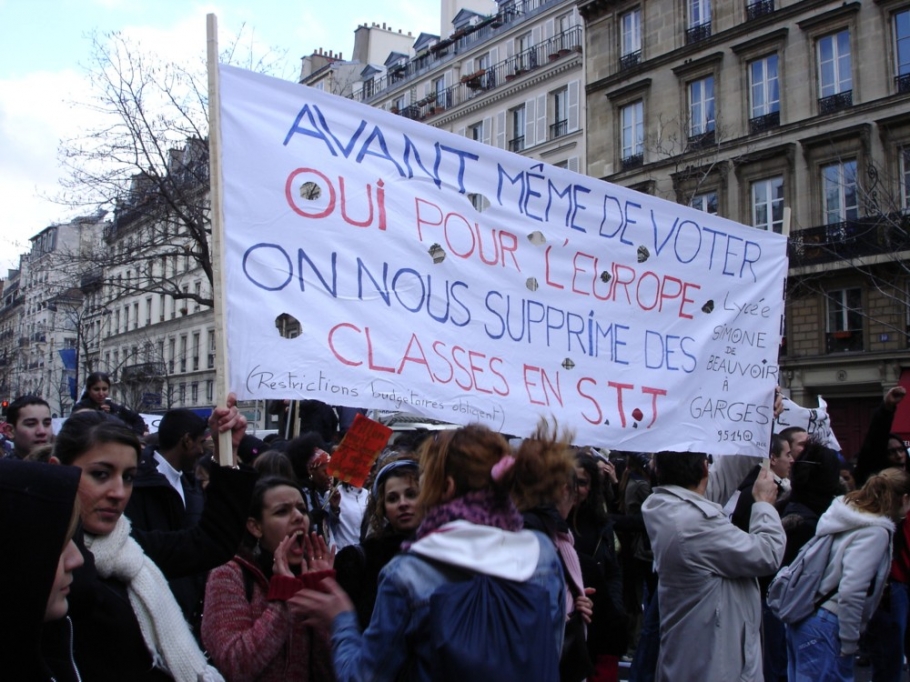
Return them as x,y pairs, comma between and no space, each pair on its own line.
257,501
300,451
594,505
93,379
12,412
791,431
275,463
84,430
375,511
685,469
815,477
175,424
777,444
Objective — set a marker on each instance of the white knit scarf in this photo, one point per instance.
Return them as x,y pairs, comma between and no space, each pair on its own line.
167,635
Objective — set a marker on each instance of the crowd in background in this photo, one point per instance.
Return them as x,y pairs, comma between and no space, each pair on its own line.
135,556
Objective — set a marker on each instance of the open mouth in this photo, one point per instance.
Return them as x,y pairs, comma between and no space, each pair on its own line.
296,548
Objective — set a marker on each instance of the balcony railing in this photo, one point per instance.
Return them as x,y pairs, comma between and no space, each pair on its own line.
558,129
902,82
142,371
844,341
516,144
760,8
696,34
553,49
842,100
701,141
627,61
760,124
868,236
633,161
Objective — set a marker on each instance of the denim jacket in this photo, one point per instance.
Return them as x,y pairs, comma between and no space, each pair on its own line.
395,645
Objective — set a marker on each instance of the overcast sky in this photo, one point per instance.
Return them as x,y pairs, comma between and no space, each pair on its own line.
44,48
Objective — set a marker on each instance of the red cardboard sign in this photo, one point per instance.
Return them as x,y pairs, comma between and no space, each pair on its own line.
354,456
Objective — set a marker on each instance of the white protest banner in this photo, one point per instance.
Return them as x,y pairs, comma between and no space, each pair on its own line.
640,323
815,420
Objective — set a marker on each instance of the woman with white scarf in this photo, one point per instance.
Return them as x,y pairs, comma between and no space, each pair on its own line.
127,624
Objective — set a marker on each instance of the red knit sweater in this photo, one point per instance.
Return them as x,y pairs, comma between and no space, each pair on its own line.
257,639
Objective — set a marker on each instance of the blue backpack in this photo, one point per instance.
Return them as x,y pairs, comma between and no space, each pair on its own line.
486,629
792,593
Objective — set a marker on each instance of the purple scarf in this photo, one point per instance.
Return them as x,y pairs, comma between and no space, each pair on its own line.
482,507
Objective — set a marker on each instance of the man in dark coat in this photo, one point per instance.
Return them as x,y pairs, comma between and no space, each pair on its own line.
167,497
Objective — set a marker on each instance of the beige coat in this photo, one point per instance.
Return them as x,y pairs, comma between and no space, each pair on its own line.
710,608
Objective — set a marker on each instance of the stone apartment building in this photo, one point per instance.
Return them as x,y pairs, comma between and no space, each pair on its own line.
745,107
506,73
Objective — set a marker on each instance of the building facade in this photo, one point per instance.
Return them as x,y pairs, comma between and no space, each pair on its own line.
508,74
745,107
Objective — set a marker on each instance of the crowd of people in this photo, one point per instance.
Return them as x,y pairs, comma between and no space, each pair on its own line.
465,555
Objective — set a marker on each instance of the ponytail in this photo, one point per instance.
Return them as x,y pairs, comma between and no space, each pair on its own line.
543,465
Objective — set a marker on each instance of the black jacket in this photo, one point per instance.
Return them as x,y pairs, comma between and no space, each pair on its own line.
124,414
873,455
155,505
108,642
357,569
36,505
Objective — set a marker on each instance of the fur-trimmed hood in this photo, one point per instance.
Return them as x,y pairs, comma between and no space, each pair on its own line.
842,516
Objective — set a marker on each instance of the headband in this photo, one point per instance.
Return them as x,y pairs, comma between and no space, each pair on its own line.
389,468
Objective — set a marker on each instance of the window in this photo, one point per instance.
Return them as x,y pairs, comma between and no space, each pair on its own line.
759,8
560,125
902,50
632,116
764,94
475,132
439,89
699,21
840,195
630,39
181,393
148,311
183,353
209,391
172,348
197,290
768,204
701,107
194,392
196,351
135,315
845,320
398,105
161,300
211,346
905,177
517,142
524,52
706,202
835,79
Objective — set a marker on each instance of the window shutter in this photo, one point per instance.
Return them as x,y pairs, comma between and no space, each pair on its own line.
462,132
530,137
573,108
573,164
541,118
488,130
501,130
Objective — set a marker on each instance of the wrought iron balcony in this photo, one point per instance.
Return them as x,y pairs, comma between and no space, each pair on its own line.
630,60
872,235
558,129
696,34
760,8
516,144
633,161
842,100
142,371
844,341
902,82
570,41
760,124
701,141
